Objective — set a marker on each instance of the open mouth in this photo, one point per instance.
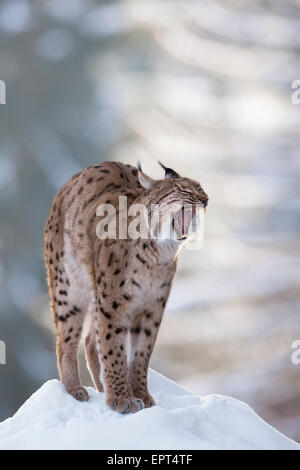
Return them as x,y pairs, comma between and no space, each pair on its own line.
182,220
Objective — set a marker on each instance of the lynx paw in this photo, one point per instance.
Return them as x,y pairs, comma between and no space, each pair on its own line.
146,397
125,405
79,393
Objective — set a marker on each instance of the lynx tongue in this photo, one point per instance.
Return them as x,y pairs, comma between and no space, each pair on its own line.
186,216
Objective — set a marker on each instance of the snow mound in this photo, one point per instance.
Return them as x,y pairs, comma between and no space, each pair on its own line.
52,419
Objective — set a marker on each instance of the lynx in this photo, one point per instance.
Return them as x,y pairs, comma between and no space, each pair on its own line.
121,285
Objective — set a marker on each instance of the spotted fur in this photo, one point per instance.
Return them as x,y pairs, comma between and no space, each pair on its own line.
121,285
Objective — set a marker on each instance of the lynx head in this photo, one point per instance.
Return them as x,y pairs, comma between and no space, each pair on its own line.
175,202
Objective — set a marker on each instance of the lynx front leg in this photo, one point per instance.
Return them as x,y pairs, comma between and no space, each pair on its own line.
142,335
111,339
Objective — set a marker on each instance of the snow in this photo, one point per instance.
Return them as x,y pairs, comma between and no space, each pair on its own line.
52,419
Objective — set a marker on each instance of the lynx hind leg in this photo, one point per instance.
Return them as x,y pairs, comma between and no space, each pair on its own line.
68,318
93,358
69,328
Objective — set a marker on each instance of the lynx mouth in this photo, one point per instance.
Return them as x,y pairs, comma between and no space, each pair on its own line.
182,220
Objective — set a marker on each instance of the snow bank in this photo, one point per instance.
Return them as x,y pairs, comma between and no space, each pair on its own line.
52,419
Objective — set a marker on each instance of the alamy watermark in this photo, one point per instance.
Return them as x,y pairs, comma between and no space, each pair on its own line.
176,222
296,94
2,352
2,92
295,357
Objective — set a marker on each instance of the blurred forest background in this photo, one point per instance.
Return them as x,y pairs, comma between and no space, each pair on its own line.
205,86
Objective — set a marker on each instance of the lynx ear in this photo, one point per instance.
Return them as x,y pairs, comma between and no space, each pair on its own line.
169,173
144,180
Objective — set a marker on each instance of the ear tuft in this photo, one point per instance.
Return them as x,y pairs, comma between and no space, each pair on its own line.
162,165
169,173
144,180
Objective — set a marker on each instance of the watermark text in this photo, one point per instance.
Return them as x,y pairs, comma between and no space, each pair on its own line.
295,357
296,94
2,352
174,222
2,92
